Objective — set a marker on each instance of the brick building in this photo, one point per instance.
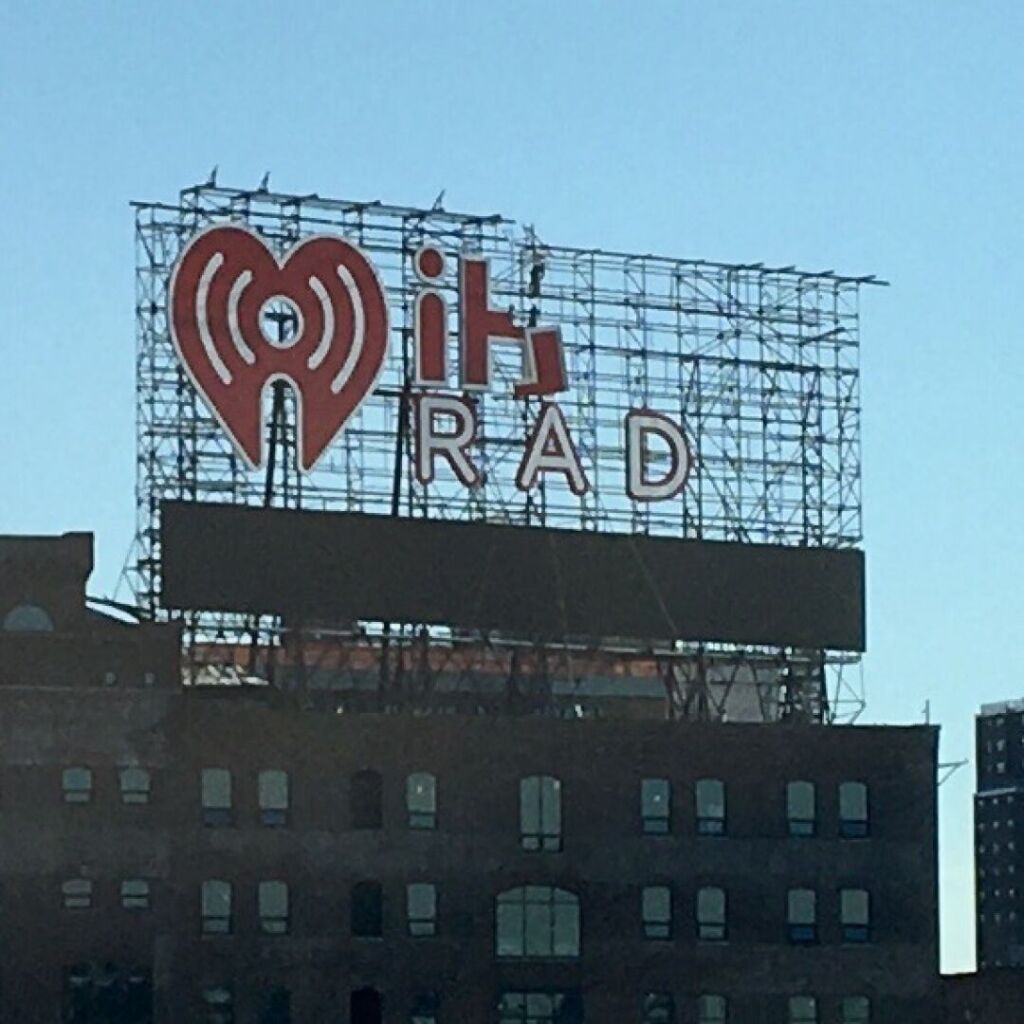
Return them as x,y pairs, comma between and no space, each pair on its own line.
235,854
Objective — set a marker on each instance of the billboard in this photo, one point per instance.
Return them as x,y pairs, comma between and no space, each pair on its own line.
306,353
527,581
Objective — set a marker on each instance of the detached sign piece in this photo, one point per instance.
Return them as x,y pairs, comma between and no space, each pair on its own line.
226,281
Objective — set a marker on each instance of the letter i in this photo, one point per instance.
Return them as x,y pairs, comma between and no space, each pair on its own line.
430,329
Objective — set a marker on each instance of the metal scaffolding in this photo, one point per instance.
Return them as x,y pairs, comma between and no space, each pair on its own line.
759,364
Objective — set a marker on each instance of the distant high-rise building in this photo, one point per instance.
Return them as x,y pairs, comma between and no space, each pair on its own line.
999,834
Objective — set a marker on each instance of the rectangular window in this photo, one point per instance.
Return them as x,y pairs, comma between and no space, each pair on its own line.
802,916
215,905
421,908
540,1008
421,800
711,911
218,1005
656,806
803,1010
712,1010
273,793
853,810
540,813
216,793
856,1010
77,785
855,915
134,786
366,799
135,894
425,1008
800,808
275,1006
656,911
710,801
659,1008
272,898
367,910
77,894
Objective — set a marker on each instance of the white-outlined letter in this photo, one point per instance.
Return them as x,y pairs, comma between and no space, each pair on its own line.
641,425
549,449
450,444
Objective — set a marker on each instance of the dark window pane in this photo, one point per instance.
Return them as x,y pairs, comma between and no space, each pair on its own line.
276,1006
367,910
365,1006
365,800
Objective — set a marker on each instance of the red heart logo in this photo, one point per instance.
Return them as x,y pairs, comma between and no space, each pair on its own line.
219,292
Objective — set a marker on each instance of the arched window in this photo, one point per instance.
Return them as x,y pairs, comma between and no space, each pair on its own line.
537,921
540,813
367,910
800,809
276,1006
803,1010
855,914
855,1010
421,800
28,618
216,795
273,793
656,806
711,910
421,908
656,911
802,915
365,800
711,1010
134,786
219,1005
272,902
710,800
659,1008
77,893
364,1006
215,904
425,1006
853,810
77,785
135,894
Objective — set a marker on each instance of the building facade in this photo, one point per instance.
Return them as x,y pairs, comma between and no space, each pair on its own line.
999,834
236,854
993,996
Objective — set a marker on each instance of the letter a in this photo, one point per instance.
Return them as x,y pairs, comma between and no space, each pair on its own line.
549,449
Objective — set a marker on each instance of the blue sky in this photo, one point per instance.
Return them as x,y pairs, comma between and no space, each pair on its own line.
868,137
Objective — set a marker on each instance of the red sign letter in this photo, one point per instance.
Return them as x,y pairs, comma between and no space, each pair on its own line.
430,320
480,326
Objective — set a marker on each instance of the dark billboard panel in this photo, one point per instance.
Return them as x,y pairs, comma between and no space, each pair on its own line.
527,581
